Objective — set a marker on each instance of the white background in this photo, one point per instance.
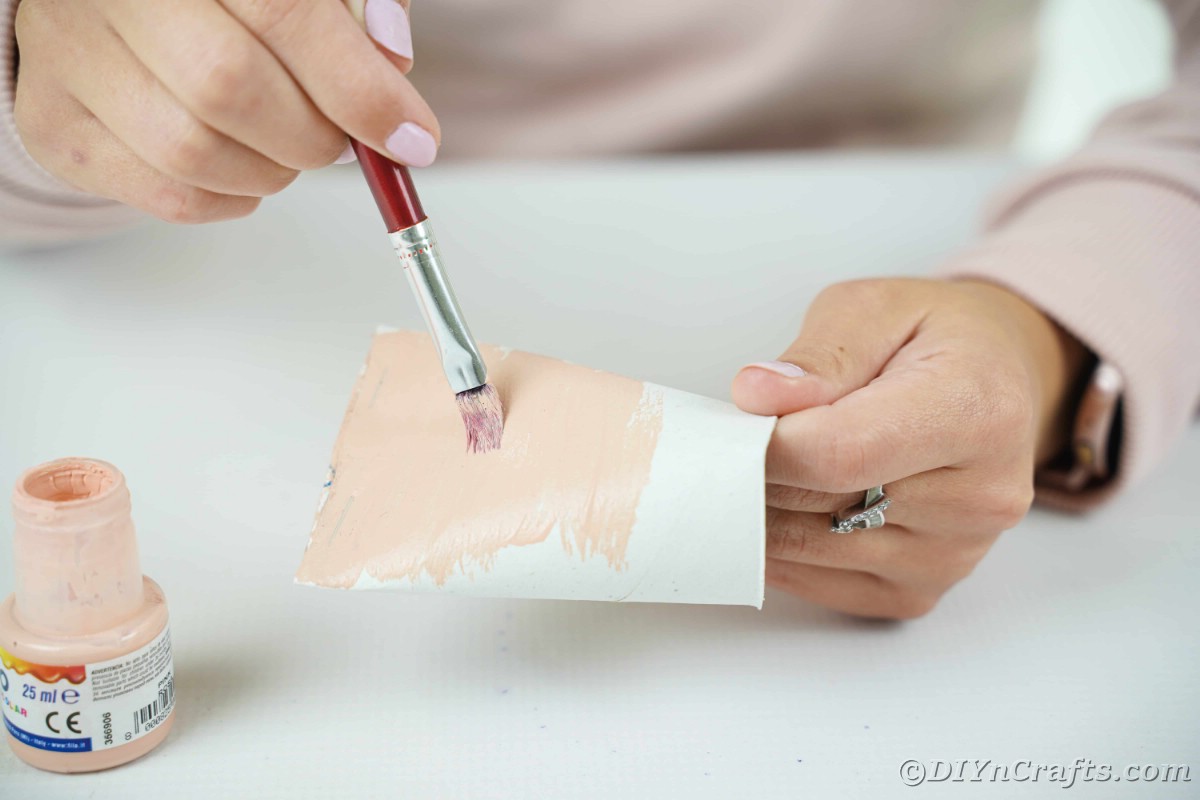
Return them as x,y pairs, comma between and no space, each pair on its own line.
213,364
1092,55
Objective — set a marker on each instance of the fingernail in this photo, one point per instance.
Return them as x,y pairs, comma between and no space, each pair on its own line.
413,145
388,24
347,155
780,367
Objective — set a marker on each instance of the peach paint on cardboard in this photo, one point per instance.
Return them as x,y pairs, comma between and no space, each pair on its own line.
604,487
575,456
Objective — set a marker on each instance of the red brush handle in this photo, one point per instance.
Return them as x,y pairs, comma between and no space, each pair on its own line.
392,186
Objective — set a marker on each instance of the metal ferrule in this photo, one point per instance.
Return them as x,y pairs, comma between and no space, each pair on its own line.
417,249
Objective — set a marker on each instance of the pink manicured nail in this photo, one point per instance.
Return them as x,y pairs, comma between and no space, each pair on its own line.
347,156
780,367
412,145
388,24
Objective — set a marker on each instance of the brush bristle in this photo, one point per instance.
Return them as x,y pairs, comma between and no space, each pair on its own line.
483,416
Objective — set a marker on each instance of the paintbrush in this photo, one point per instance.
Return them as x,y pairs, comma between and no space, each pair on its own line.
412,237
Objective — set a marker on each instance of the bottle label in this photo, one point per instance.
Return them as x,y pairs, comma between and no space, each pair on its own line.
88,707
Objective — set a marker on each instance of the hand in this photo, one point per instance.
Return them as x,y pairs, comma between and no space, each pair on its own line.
948,393
194,110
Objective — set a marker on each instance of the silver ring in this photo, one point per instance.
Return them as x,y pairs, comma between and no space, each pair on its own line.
864,515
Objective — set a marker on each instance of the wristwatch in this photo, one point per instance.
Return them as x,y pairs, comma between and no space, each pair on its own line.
1095,438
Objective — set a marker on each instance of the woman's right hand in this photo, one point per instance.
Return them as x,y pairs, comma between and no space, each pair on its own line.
194,110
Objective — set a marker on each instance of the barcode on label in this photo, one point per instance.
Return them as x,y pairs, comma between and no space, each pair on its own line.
150,713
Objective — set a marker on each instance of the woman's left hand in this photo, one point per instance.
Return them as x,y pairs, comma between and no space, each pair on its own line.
948,393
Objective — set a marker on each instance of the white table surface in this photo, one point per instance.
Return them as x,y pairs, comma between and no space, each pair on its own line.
212,364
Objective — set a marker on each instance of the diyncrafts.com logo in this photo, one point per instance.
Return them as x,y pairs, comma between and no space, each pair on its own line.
1082,770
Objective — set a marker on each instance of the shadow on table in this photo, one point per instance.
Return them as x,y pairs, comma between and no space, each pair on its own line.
211,691
781,614
568,641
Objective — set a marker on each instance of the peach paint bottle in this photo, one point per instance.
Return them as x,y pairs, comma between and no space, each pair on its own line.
86,676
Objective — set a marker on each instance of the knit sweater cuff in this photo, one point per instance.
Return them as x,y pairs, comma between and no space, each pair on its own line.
1111,257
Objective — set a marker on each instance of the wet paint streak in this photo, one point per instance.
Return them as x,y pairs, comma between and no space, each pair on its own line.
576,455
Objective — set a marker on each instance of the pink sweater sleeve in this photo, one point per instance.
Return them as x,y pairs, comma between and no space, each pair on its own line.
35,206
1107,242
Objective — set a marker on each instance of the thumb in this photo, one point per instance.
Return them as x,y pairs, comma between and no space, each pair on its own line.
849,334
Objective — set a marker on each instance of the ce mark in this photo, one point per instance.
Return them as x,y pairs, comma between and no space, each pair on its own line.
72,722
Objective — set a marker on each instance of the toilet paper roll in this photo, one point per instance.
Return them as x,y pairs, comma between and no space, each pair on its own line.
604,488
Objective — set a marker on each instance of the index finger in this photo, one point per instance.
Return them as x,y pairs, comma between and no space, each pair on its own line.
348,78
227,78
387,23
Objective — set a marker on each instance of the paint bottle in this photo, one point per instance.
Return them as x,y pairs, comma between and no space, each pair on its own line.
85,651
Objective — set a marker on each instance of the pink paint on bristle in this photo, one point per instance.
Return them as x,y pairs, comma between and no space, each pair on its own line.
483,416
